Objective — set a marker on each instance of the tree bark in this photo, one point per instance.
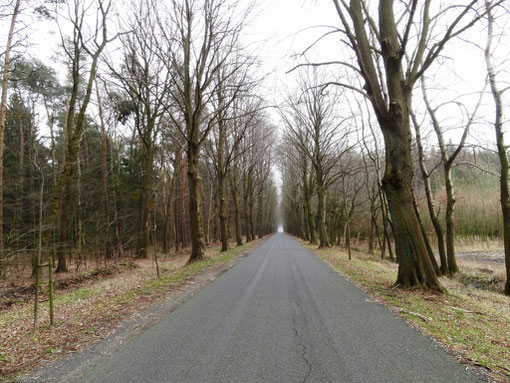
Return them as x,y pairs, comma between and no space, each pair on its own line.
260,215
430,201
415,268
450,234
321,217
197,236
237,211
3,113
104,168
222,211
502,148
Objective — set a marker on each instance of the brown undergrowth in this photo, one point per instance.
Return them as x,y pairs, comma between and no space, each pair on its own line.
472,323
94,310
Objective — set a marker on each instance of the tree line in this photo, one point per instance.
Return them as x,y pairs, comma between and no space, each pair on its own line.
157,134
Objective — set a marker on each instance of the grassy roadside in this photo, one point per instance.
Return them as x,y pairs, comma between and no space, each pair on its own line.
92,312
473,324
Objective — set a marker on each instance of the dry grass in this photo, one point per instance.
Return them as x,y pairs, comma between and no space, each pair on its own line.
474,324
92,312
476,243
482,275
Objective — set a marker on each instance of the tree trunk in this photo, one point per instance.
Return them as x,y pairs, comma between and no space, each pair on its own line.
502,149
251,224
371,236
104,168
246,211
430,201
260,216
169,227
197,235
450,234
146,199
348,239
306,226
415,268
237,211
79,214
222,209
311,219
3,113
321,217
430,253
20,187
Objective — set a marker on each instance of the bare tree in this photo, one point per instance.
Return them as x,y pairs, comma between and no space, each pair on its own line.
236,111
391,56
79,46
322,136
448,157
197,40
497,95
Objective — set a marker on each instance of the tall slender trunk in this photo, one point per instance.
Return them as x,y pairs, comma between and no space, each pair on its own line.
309,211
502,148
194,185
79,213
237,211
246,210
450,234
115,195
222,210
348,238
169,226
371,236
20,186
251,224
147,200
3,113
430,200
75,123
306,226
321,216
104,168
260,215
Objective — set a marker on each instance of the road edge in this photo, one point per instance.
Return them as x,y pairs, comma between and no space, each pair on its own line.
71,366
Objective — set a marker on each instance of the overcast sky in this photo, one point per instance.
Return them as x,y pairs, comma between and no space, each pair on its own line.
281,28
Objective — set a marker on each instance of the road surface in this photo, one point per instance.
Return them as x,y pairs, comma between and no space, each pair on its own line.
280,315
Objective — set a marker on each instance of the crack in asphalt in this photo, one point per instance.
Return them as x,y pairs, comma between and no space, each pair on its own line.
301,344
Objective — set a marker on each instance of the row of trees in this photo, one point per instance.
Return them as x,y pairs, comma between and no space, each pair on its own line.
158,136
336,151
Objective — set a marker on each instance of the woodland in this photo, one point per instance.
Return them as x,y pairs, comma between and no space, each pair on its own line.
152,133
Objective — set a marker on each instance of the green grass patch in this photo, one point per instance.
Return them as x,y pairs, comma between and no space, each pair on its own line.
50,350
473,323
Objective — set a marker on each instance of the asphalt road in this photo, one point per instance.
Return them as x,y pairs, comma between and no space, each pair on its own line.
280,315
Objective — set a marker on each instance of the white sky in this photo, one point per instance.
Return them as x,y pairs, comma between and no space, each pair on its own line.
282,28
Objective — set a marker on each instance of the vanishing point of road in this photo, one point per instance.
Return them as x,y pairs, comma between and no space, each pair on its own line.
280,315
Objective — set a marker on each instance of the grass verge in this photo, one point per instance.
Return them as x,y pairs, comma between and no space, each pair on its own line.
92,312
473,324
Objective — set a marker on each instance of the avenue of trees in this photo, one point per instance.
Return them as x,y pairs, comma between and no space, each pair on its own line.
149,130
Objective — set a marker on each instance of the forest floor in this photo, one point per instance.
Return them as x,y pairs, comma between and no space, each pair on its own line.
91,304
471,319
